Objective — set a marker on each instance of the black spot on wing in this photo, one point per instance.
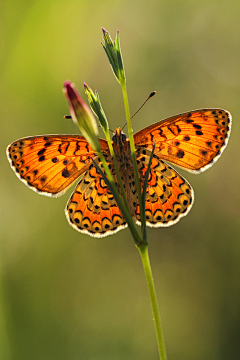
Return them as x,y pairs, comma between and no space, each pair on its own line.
41,152
180,154
65,173
196,126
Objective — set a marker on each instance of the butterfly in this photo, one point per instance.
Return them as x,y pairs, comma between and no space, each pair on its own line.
49,164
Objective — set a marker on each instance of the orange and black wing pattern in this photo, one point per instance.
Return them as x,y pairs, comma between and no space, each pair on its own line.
192,141
92,208
168,195
50,164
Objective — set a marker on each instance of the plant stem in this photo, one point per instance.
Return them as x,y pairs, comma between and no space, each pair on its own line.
125,210
116,168
143,245
132,146
143,250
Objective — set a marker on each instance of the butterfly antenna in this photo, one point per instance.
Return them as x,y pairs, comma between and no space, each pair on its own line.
108,129
151,95
69,117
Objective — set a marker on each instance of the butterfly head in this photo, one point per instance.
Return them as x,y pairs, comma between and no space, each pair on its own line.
119,138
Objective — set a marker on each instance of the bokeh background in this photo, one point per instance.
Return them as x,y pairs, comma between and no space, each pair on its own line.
64,295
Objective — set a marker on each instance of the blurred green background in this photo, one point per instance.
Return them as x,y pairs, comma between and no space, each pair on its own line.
65,295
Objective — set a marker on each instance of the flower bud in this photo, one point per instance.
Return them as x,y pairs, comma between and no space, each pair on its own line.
113,51
96,106
82,115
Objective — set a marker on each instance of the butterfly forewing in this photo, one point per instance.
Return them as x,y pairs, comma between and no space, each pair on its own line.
50,164
193,140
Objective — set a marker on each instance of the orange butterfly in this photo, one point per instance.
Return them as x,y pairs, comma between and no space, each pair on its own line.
50,164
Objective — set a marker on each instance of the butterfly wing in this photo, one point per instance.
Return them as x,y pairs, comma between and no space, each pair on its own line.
92,209
49,164
192,141
168,195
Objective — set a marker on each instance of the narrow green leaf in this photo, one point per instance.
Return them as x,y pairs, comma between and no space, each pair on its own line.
144,228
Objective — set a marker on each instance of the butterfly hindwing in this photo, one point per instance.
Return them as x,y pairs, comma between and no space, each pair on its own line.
92,209
168,195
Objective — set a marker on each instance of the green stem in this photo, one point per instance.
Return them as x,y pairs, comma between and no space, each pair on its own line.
132,146
143,250
125,210
117,170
